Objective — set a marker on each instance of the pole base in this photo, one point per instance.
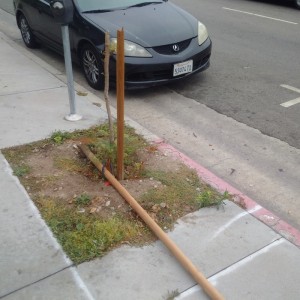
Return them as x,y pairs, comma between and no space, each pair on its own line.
73,117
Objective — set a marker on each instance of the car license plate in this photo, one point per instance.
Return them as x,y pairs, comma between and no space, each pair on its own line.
183,68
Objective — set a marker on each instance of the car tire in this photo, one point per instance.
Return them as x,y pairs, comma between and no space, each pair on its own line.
26,32
297,4
92,66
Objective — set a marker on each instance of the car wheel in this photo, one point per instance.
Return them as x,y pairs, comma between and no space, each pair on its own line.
297,4
26,32
92,67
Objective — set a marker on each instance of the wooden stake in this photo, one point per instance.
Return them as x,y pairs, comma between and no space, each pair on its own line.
120,104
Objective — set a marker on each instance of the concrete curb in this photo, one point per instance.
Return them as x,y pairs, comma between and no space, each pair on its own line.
252,207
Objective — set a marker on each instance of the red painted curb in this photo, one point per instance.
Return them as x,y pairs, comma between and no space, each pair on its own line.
253,208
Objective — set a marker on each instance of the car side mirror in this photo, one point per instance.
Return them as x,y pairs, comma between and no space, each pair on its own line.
62,11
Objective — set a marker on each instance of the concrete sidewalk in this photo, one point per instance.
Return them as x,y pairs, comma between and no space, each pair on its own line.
241,256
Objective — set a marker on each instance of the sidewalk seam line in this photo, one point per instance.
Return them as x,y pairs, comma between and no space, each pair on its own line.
32,91
279,239
39,280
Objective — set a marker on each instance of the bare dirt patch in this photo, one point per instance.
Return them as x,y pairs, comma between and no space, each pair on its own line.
61,172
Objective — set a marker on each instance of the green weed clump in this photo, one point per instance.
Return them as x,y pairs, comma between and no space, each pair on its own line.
210,197
59,137
83,199
21,170
107,152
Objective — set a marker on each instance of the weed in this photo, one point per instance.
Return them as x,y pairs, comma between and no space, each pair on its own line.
59,137
20,171
105,151
210,197
83,199
171,295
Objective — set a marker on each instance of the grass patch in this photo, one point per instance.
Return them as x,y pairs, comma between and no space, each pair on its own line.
178,194
16,155
107,152
84,236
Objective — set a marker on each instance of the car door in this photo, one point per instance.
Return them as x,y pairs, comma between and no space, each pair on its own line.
50,31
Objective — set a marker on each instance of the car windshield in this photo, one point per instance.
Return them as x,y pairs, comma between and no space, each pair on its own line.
108,5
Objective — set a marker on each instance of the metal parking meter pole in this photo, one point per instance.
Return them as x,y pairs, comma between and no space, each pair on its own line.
63,11
73,116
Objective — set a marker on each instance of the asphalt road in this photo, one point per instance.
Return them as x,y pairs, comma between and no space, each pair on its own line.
230,118
253,56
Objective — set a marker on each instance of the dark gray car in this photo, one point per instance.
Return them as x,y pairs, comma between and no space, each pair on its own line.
163,43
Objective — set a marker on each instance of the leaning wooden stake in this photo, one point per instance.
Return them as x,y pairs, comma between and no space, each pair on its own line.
185,261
